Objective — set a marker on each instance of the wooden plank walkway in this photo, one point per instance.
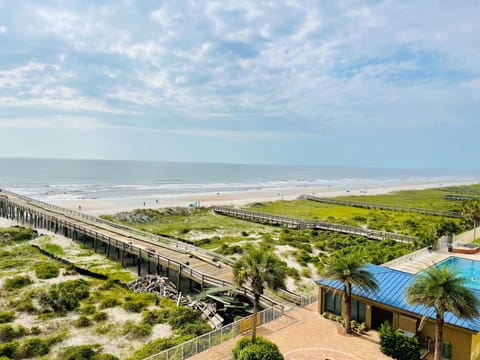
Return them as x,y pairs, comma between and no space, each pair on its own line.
300,224
365,205
188,261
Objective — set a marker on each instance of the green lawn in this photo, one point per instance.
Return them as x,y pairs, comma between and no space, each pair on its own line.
400,222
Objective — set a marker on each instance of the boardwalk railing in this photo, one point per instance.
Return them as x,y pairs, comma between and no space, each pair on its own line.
408,257
306,224
157,239
460,198
184,269
217,337
365,205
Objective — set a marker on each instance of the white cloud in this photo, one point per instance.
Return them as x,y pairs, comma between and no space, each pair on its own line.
54,122
19,75
3,29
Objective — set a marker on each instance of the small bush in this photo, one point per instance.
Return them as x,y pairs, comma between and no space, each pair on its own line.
135,306
65,296
46,270
8,332
83,321
154,317
8,349
263,349
81,352
154,347
35,330
109,303
104,357
397,345
25,305
17,282
88,310
6,316
31,348
136,331
100,316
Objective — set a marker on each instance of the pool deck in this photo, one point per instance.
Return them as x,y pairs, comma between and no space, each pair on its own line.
420,263
303,334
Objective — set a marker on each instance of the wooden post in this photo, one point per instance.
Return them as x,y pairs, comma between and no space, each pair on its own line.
123,254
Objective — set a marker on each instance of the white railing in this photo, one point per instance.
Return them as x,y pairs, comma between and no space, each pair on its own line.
217,337
409,257
309,299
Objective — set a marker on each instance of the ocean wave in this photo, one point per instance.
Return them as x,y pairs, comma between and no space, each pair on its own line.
124,191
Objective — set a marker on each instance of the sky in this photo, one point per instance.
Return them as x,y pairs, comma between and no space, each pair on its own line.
335,83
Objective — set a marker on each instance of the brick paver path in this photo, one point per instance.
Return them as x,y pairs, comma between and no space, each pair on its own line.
303,334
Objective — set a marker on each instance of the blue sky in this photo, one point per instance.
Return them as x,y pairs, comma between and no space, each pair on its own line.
347,83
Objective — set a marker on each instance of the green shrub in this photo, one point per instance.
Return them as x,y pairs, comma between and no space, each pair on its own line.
31,348
88,310
80,352
154,317
6,316
8,349
397,345
100,316
136,330
83,321
17,282
46,270
8,332
109,303
263,349
104,357
16,234
25,305
35,330
154,347
183,315
135,306
65,296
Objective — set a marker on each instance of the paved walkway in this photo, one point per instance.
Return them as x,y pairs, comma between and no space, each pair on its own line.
303,334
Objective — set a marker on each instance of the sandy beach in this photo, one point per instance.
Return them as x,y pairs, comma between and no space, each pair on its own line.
110,206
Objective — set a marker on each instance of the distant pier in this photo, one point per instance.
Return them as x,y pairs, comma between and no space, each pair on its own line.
301,224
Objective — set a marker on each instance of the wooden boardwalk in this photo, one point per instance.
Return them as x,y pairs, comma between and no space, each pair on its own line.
300,224
152,254
366,205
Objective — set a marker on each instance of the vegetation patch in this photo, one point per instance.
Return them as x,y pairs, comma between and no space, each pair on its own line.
263,349
65,296
16,282
6,316
46,270
16,234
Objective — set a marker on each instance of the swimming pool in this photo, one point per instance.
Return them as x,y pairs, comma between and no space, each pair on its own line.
469,269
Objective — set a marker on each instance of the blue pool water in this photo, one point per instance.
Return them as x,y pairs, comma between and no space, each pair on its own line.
469,269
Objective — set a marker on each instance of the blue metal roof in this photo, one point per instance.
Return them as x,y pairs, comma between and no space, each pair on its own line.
392,289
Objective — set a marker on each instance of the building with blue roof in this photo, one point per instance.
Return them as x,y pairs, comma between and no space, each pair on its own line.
388,303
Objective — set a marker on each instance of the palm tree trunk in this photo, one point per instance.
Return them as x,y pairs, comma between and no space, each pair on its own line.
438,336
347,300
474,230
256,301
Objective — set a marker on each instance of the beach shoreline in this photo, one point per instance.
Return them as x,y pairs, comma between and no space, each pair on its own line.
110,206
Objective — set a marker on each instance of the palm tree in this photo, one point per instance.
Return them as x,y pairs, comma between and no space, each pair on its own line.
259,269
443,290
348,270
471,211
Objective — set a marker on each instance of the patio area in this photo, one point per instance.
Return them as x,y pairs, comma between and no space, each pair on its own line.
303,334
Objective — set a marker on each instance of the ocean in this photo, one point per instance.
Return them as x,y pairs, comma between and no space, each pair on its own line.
54,179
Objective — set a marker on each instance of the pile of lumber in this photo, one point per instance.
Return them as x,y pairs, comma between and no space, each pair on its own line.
155,284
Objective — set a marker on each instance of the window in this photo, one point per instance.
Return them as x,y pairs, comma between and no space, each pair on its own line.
358,311
333,302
